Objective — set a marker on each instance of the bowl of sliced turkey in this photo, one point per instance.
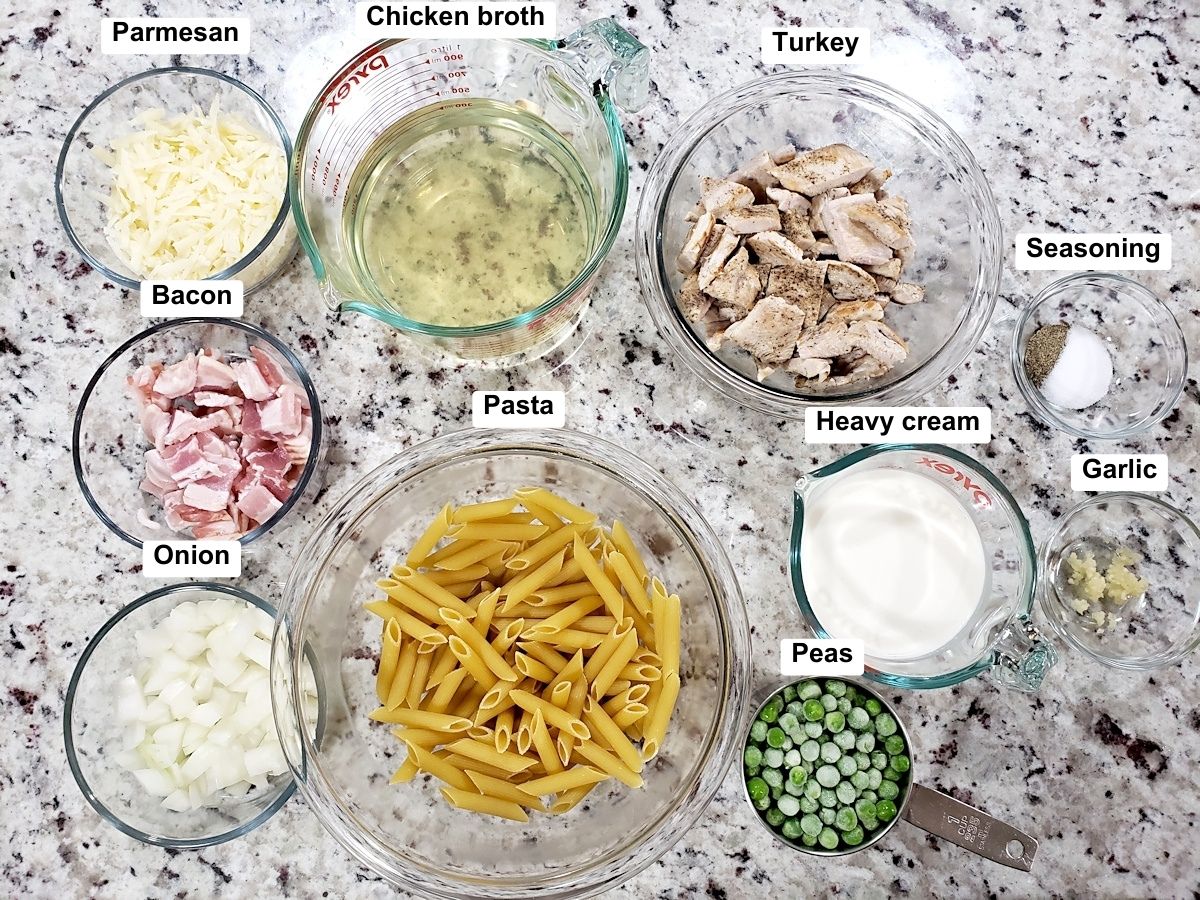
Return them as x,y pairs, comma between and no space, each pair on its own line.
813,238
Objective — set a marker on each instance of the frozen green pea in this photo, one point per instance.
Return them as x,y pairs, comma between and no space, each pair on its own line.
774,817
809,805
874,779
836,688
857,718
865,743
847,766
828,798
853,837
869,794
864,808
879,760
830,752
901,763
751,771
828,838
752,756
890,774
787,744
758,731
773,757
808,840
789,694
764,804
773,777
828,702
788,805
797,776
791,758
835,722
828,776
846,819
885,725
873,706
775,737
859,780
885,810
788,721
757,788
792,788
808,690
776,791
870,824
813,710
810,750
808,767
814,729
827,816
889,790
846,793
810,824
844,740
812,789
770,712
791,829
844,705
893,744
862,760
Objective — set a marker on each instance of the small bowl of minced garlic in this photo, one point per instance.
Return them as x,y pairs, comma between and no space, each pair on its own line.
1121,581
1099,356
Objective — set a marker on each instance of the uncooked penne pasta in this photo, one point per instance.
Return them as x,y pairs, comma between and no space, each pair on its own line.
525,653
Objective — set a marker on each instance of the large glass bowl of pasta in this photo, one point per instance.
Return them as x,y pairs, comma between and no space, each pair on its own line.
536,660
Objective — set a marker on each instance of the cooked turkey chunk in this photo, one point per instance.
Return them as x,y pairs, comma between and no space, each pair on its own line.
848,282
753,219
736,287
770,331
689,256
823,169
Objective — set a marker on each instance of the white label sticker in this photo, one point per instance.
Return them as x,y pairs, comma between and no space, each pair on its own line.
518,409
153,35
461,21
1047,251
815,46
820,656
897,424
188,299
1119,472
192,559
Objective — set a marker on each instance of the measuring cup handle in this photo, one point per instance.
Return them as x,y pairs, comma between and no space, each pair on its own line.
611,57
1022,656
971,828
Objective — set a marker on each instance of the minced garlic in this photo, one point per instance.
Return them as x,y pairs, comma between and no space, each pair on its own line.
1091,587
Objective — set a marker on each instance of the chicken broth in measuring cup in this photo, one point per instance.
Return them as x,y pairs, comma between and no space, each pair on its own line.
470,215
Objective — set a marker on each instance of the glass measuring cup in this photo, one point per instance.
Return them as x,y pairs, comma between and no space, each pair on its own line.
418,85
999,638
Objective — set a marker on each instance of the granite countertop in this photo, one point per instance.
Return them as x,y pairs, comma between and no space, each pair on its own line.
1083,121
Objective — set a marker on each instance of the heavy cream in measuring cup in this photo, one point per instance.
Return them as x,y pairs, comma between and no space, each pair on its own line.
892,558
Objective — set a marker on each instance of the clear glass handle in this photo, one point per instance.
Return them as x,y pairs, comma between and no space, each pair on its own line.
613,59
1022,656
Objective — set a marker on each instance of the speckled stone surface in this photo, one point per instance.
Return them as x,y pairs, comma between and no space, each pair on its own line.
1083,120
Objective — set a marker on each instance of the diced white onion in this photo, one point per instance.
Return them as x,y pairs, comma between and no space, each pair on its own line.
197,717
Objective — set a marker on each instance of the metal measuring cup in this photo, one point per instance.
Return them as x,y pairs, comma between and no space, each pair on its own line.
928,809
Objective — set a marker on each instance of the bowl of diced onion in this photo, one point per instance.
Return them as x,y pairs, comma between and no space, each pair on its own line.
168,722
178,174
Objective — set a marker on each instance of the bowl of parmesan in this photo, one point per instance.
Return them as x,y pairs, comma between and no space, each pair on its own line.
178,174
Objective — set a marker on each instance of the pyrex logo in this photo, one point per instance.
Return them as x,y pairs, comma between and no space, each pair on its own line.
978,494
374,64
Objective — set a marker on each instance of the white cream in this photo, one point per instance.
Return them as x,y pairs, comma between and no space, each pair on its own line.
892,558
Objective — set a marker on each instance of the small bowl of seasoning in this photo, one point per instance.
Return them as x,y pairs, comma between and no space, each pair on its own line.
1099,356
1122,581
828,768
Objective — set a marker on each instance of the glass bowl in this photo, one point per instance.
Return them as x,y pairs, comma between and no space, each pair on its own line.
405,832
108,446
1158,628
1145,342
956,225
94,736
81,183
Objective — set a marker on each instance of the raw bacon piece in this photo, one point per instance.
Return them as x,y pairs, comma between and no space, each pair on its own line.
215,398
253,383
213,374
281,417
258,503
270,370
177,380
155,423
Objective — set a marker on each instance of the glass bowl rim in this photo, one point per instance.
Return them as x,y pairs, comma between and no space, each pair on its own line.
730,614
696,129
1169,326
587,271
859,683
166,71
1048,595
286,787
310,465
1029,584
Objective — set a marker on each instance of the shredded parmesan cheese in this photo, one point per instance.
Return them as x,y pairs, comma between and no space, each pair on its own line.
191,194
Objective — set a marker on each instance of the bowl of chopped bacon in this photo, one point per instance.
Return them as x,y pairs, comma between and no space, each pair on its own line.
197,429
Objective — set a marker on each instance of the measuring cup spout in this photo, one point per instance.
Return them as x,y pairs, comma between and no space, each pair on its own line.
1022,656
611,58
